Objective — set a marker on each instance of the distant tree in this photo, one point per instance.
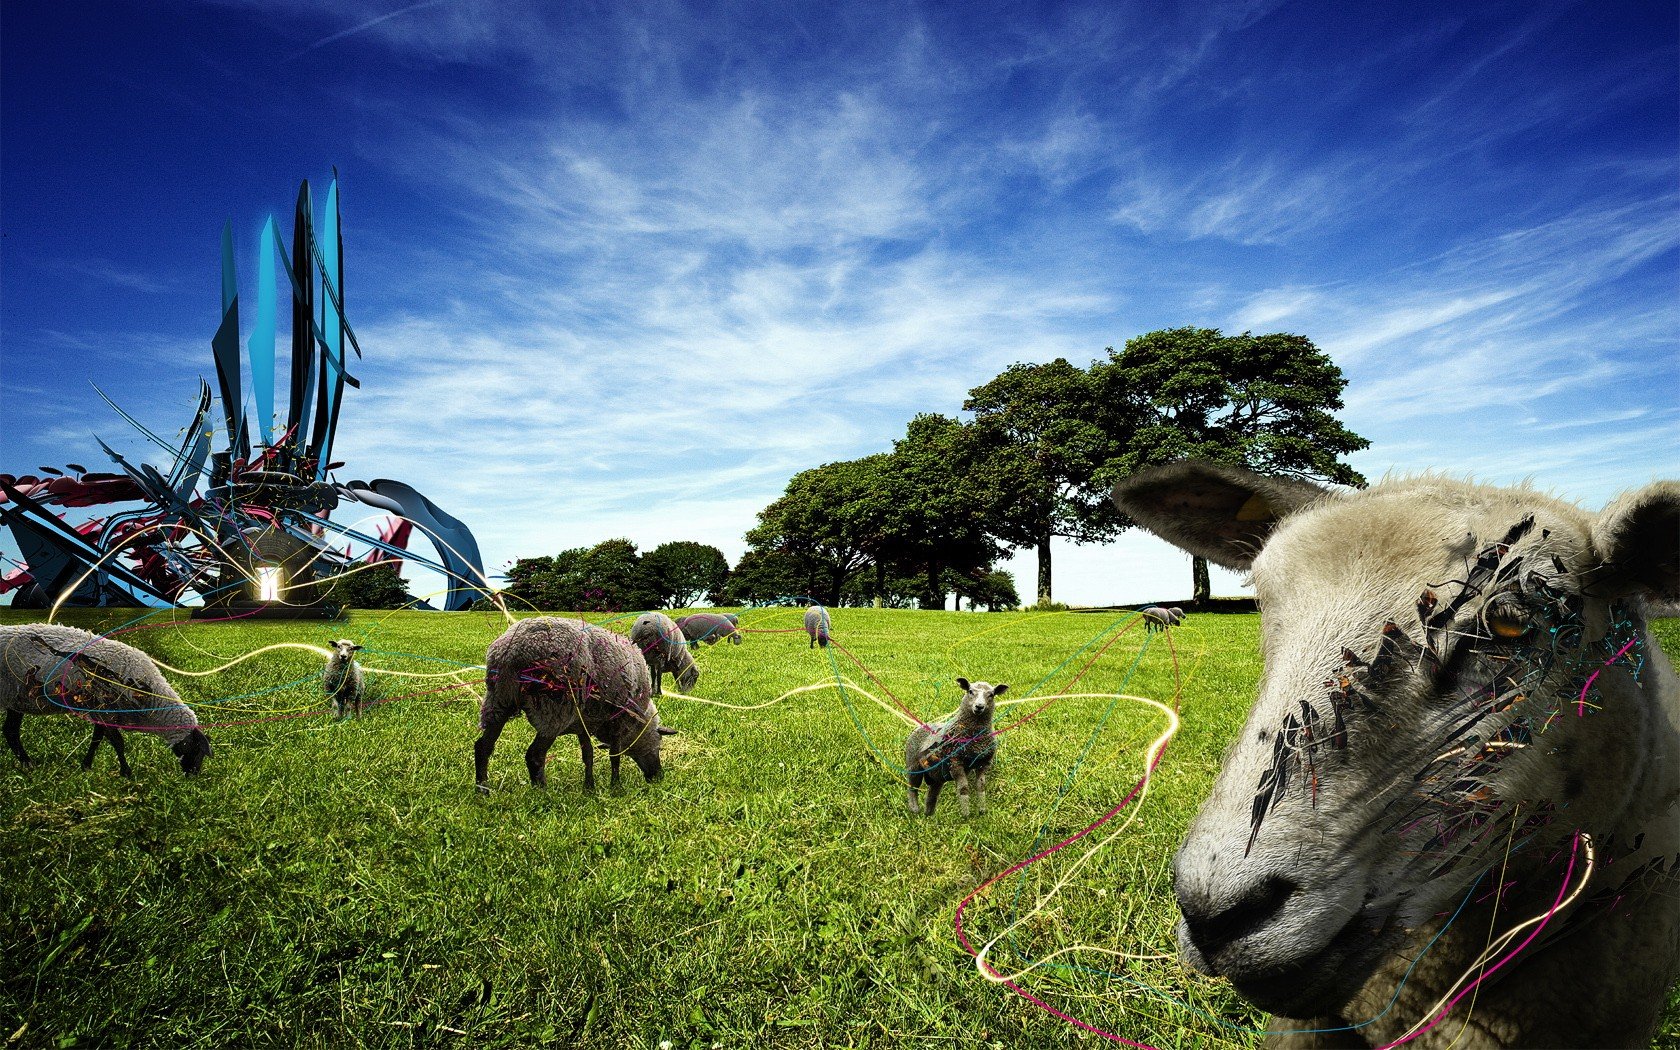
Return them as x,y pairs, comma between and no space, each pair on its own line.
890,590
1264,402
821,522
380,587
931,507
682,572
547,583
762,577
994,589
613,580
1041,437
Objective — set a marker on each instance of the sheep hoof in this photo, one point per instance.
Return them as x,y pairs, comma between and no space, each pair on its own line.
483,788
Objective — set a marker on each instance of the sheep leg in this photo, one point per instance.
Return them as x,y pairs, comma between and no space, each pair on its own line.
615,757
588,751
658,668
934,787
93,745
535,756
915,794
14,719
114,735
486,744
959,773
980,791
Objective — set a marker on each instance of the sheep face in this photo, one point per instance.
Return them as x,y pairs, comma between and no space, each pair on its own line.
980,699
345,650
192,751
645,750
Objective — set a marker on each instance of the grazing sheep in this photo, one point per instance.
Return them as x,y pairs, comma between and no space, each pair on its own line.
343,680
960,749
816,625
1157,618
1464,727
664,648
46,669
569,677
709,627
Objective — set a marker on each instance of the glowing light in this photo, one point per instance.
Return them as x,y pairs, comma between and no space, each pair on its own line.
268,583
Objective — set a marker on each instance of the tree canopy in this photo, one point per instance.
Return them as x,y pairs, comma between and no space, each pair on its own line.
682,572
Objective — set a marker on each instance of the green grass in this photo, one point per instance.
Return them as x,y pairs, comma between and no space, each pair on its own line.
341,884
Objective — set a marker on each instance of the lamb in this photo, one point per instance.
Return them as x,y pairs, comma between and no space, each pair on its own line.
709,627
665,648
569,677
960,749
343,680
1157,618
1463,725
47,669
816,625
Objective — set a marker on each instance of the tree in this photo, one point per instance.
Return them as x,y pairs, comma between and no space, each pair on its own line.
823,522
613,581
682,572
1042,436
994,590
380,587
1263,402
766,576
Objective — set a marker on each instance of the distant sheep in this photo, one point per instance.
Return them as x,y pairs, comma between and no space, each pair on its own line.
1157,618
665,648
816,625
46,669
960,749
570,678
709,627
343,681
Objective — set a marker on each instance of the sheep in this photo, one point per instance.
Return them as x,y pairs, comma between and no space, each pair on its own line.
709,627
345,685
961,749
570,677
664,648
47,669
816,625
1462,716
1157,618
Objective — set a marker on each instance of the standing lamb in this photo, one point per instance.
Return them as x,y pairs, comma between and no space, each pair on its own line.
569,677
709,627
46,669
343,679
961,749
1464,727
1157,618
664,648
816,625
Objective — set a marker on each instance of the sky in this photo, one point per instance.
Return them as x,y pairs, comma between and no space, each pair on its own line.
622,269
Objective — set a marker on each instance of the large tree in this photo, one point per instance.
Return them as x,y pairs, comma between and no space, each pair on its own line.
682,572
824,521
1264,402
1041,437
931,510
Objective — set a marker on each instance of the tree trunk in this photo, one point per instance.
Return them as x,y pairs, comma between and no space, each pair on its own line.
1199,578
935,592
1044,569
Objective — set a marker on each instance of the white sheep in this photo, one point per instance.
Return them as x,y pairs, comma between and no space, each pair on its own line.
1463,725
1157,618
817,626
47,669
570,677
345,685
664,647
961,749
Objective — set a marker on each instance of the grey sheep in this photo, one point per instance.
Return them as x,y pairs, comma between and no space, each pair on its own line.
46,669
709,627
816,625
961,749
570,678
343,680
665,648
1157,618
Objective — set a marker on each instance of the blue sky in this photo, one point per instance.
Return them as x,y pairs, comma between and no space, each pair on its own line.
622,269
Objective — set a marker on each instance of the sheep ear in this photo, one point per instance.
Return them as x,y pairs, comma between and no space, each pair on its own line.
964,683
667,731
1222,513
999,690
1638,536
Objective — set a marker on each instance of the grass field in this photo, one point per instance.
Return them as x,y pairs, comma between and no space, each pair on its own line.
341,884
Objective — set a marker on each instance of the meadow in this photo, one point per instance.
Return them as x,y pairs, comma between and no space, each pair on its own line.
340,883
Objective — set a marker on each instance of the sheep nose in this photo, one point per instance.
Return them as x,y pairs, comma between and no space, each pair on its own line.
1213,924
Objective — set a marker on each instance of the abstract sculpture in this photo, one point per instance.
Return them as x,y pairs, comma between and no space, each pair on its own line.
255,540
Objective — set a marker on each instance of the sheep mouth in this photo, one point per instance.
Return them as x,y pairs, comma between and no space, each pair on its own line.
1324,982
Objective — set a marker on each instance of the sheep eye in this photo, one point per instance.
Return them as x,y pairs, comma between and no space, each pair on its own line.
1506,623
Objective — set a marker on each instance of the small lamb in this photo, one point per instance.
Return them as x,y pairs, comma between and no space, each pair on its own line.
709,627
1157,618
47,669
816,625
665,648
570,678
343,681
960,749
